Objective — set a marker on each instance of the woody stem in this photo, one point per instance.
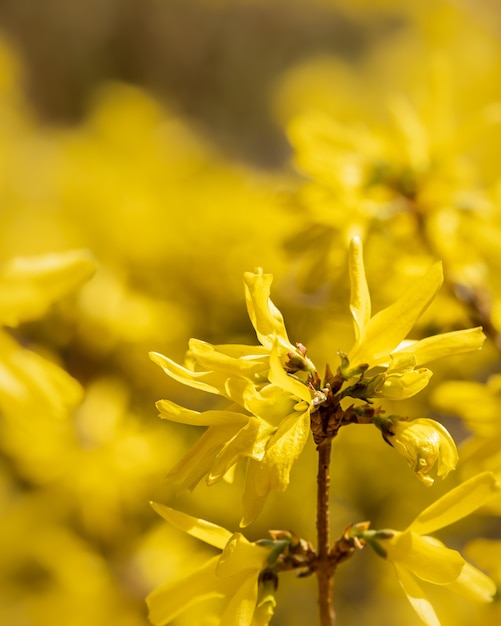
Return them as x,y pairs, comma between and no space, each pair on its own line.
324,569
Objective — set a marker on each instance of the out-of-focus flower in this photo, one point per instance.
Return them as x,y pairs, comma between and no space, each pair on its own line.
424,443
268,422
380,339
476,403
414,554
478,406
29,384
233,575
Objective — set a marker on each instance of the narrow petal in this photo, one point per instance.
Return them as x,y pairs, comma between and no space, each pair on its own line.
211,382
239,555
241,607
256,491
278,376
273,471
30,384
208,357
405,385
176,413
417,598
29,285
360,300
264,609
167,601
388,328
474,584
285,447
446,344
457,503
267,320
250,441
197,462
426,558
270,402
205,531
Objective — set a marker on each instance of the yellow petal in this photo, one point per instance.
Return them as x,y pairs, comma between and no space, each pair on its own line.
457,503
267,320
425,557
446,344
167,601
239,555
426,445
250,441
278,376
270,402
417,598
399,386
176,413
360,300
285,447
211,382
474,584
265,608
255,492
273,471
29,285
241,607
387,329
197,462
201,529
251,364
30,384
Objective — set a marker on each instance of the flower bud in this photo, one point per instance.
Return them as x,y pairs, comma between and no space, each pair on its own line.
424,443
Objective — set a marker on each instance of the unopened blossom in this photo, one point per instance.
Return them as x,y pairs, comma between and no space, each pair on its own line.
424,443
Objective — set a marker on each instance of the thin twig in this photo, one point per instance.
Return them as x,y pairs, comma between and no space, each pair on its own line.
324,567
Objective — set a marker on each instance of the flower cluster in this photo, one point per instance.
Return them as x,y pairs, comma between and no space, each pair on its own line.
268,420
275,392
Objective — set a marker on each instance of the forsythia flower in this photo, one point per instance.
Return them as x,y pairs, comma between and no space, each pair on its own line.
29,384
416,555
379,339
423,442
234,575
268,421
476,403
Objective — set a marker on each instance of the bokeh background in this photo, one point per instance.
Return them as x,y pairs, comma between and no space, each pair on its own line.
184,142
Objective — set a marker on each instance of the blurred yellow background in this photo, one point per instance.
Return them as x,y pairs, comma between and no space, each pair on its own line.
183,142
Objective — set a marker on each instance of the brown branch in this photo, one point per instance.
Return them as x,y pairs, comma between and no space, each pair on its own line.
324,567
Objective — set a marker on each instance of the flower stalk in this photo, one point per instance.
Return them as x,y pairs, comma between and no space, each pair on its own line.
325,567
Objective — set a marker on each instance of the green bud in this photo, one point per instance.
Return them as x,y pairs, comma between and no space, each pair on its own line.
346,371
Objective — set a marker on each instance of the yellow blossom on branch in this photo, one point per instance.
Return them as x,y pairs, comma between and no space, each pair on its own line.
416,555
380,340
424,443
267,423
233,575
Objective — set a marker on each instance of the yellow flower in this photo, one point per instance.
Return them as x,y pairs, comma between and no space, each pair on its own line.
414,554
233,575
268,421
380,339
30,384
424,443
476,403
